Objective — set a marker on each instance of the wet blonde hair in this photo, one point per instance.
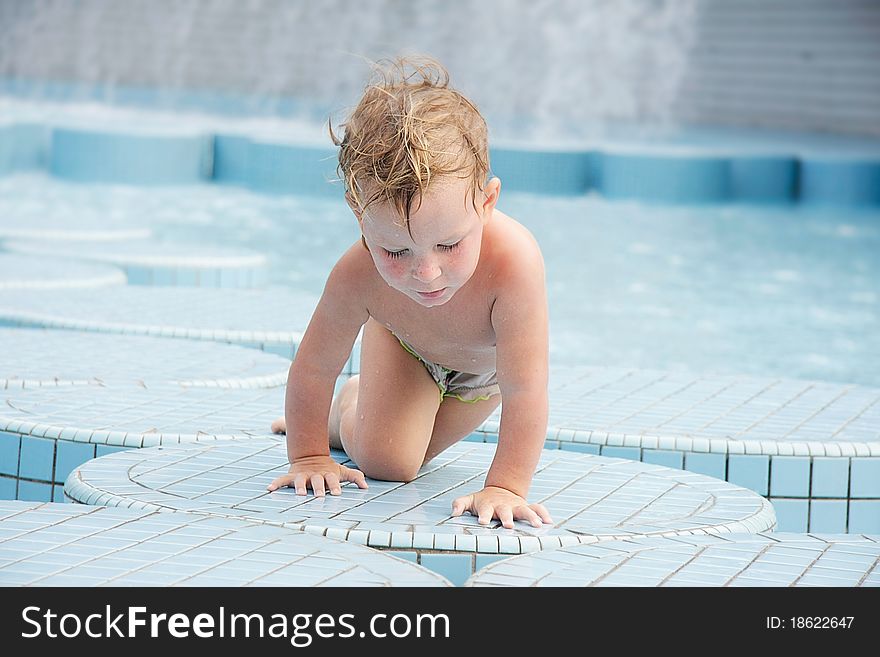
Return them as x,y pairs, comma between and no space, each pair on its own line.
410,130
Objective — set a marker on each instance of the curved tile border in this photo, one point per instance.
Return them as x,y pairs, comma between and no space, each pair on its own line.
677,169
272,320
67,545
812,447
19,272
46,432
31,358
149,158
841,181
776,559
157,263
591,498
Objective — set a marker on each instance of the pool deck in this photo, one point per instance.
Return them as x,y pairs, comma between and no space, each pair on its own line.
75,545
272,319
34,358
730,560
591,498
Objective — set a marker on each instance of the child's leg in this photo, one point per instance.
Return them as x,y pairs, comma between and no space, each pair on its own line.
391,420
387,428
456,420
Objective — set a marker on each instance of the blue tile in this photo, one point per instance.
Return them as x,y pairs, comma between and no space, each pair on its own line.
454,567
791,515
830,477
828,516
58,493
670,459
790,476
70,455
750,471
698,178
713,465
839,181
584,448
7,488
400,554
631,453
37,456
109,449
34,491
483,560
865,478
864,517
9,445
91,156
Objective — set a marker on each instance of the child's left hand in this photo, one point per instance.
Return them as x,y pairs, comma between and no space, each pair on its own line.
495,502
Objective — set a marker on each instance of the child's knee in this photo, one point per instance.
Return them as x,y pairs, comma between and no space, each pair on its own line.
390,469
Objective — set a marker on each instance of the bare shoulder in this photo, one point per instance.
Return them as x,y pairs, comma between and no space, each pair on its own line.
354,270
517,260
351,280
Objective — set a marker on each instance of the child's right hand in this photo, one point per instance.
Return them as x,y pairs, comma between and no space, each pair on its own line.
316,472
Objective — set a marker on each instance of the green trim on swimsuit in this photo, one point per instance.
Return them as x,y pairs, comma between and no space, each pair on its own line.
468,401
421,360
443,393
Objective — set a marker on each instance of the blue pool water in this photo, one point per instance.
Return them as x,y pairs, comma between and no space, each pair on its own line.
785,291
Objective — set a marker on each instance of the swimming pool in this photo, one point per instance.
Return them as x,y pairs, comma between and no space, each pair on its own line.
775,290
669,297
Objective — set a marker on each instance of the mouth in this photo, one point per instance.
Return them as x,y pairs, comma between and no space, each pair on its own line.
436,294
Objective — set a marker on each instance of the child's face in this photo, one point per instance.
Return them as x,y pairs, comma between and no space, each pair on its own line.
442,254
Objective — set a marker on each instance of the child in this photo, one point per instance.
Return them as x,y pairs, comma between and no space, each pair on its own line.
450,293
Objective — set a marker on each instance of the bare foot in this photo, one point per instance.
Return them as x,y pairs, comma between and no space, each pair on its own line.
279,425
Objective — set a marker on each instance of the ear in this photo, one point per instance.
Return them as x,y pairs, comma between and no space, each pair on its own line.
490,197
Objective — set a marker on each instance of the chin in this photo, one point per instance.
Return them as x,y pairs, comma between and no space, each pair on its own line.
430,303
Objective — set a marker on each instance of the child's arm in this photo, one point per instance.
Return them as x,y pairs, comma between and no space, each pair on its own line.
319,360
520,319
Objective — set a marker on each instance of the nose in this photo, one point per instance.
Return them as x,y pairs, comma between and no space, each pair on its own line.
426,270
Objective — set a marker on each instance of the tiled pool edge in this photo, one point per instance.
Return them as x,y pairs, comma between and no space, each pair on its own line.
454,550
811,492
673,174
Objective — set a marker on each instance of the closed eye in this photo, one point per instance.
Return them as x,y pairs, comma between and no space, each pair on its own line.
445,247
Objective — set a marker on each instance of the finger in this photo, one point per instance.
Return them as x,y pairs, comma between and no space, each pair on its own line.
542,512
485,513
299,483
332,483
317,482
356,476
505,515
461,504
280,482
528,514
276,484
